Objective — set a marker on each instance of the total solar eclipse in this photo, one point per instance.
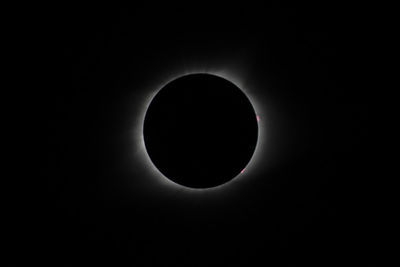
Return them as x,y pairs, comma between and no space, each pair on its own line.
200,131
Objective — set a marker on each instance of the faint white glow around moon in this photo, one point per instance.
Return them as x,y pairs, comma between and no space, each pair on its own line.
143,158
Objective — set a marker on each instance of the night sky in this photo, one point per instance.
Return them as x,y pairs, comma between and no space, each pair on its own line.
300,203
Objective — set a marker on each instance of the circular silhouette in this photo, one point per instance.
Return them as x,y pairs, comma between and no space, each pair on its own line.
200,131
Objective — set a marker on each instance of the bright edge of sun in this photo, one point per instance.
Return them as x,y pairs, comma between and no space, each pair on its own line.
141,153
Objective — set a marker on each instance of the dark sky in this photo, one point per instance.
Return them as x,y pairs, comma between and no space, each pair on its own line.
301,206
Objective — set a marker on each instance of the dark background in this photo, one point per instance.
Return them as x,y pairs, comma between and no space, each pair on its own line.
307,208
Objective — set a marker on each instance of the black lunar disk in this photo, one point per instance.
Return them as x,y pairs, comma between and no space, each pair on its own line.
200,130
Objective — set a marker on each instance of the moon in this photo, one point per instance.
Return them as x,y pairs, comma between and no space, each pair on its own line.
200,131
